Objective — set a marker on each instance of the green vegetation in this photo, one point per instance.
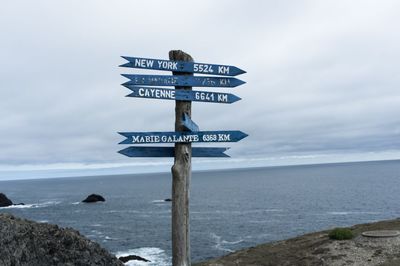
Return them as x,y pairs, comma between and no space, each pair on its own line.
341,234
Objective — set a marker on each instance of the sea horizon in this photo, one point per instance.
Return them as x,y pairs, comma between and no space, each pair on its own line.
229,209
193,170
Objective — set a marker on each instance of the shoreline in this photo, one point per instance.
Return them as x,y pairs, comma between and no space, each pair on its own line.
317,249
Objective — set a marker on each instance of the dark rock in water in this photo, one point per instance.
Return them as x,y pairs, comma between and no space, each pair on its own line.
93,198
20,203
24,242
168,200
4,201
125,259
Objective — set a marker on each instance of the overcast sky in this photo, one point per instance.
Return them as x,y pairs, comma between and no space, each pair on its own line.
322,80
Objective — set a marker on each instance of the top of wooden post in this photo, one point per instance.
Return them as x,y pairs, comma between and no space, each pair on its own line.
178,55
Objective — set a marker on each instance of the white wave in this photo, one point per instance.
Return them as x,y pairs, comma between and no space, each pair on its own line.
76,203
96,225
237,212
339,213
97,232
273,210
35,205
221,244
122,211
231,242
351,213
159,201
156,256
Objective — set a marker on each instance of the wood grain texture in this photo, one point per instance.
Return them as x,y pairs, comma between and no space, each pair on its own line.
181,176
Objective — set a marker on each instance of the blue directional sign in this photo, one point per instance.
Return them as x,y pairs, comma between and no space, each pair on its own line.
188,81
182,66
188,124
170,152
182,137
181,95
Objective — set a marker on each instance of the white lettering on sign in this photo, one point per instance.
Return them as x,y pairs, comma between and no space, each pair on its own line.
224,137
139,62
165,138
176,138
223,69
141,92
182,138
157,80
203,68
224,82
139,80
167,65
145,139
156,93
222,97
208,82
204,96
209,137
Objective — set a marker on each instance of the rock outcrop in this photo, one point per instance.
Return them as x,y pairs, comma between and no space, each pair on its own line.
4,201
132,257
93,198
317,249
27,243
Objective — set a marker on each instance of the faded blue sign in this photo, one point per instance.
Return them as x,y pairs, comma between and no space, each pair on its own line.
182,66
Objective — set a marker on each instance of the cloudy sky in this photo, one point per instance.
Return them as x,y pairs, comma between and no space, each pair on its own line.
322,81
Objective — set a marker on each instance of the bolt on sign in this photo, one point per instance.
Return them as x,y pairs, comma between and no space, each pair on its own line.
186,131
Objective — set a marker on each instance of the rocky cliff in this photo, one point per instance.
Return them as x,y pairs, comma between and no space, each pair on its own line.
24,242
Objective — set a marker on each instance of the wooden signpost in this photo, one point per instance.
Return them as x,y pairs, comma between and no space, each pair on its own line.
186,131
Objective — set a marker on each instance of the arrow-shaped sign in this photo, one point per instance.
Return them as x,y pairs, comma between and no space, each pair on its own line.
185,81
188,123
181,66
170,152
181,95
185,137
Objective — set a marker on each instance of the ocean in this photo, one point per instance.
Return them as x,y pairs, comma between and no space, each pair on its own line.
230,209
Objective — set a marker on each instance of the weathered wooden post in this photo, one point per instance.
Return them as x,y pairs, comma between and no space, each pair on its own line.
181,175
186,131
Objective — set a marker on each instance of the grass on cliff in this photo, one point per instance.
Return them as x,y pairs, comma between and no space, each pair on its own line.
341,234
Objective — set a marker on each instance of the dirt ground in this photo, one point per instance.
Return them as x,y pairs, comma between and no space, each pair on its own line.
317,249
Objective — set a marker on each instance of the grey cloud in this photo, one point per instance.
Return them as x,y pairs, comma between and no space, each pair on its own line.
322,77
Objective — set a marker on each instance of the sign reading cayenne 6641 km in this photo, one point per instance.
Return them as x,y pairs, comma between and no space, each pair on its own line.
181,95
